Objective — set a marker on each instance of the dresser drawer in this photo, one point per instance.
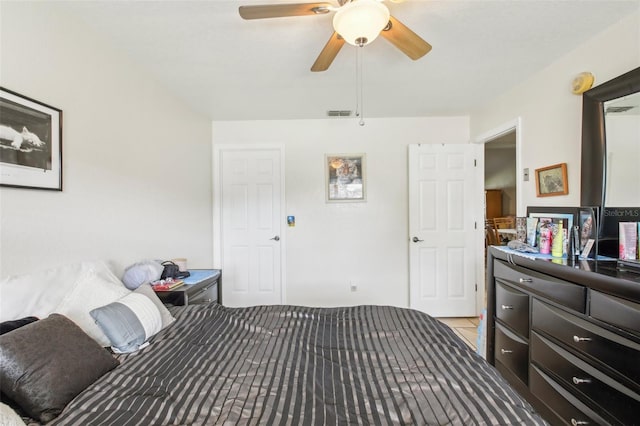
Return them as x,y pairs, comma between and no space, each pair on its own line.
512,308
512,351
561,402
570,295
615,311
207,294
605,350
602,394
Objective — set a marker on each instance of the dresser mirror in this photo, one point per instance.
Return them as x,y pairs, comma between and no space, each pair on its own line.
622,144
609,177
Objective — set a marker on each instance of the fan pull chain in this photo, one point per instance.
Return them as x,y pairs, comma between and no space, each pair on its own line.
357,82
359,91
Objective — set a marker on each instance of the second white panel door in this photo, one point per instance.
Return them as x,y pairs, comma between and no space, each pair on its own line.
442,228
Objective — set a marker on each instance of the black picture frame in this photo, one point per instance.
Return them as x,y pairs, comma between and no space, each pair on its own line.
555,212
30,143
588,227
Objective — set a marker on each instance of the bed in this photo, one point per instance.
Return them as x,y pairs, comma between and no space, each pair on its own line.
214,365
296,365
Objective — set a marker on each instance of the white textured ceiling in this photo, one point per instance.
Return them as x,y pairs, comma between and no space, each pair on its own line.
231,69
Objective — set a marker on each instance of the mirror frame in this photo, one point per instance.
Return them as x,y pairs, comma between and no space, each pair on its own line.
593,166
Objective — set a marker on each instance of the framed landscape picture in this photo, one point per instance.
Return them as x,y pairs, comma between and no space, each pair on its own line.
345,177
552,180
30,143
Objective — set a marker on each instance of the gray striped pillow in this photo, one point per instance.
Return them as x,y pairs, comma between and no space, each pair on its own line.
129,322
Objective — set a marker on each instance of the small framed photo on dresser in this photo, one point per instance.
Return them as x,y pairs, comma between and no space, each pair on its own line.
30,143
587,224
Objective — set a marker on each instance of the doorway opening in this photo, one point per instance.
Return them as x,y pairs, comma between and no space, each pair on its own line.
500,176
501,162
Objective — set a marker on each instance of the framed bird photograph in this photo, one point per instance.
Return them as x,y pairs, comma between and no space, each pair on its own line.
30,143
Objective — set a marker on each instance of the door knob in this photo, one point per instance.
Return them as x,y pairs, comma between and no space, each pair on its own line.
277,238
416,240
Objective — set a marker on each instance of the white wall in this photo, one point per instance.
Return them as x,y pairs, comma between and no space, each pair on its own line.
551,115
136,163
333,244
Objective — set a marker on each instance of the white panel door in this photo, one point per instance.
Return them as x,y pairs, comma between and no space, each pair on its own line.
250,192
442,229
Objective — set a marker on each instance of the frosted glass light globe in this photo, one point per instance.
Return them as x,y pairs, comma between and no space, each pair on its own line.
360,21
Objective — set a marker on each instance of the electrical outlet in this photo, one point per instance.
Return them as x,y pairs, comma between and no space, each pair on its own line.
525,175
353,287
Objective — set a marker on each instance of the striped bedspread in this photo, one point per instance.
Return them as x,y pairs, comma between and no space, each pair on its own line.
290,365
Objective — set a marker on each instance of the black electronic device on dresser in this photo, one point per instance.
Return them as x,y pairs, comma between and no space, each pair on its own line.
566,336
202,286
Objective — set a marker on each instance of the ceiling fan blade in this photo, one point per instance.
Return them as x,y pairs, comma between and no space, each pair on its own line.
328,54
406,40
282,10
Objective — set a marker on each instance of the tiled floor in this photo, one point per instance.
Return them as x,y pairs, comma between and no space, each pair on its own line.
465,328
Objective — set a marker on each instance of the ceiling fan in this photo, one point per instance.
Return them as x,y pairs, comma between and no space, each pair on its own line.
357,22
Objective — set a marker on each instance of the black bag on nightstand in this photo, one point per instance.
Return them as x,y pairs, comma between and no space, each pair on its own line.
171,270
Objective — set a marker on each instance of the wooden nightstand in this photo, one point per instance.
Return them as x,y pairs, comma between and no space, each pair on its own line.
203,286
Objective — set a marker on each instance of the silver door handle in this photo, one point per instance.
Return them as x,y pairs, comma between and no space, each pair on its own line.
416,240
277,238
575,422
578,380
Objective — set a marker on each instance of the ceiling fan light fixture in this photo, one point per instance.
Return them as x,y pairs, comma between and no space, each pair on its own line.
360,21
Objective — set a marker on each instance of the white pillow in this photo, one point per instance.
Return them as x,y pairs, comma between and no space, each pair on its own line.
8,417
39,293
129,322
96,288
166,316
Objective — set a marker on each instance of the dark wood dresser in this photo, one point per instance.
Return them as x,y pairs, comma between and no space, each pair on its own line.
566,335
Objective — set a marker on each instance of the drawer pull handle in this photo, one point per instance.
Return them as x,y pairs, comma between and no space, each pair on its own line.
505,307
505,351
575,422
526,280
581,339
578,381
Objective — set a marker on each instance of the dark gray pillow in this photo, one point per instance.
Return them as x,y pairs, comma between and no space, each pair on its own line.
45,364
